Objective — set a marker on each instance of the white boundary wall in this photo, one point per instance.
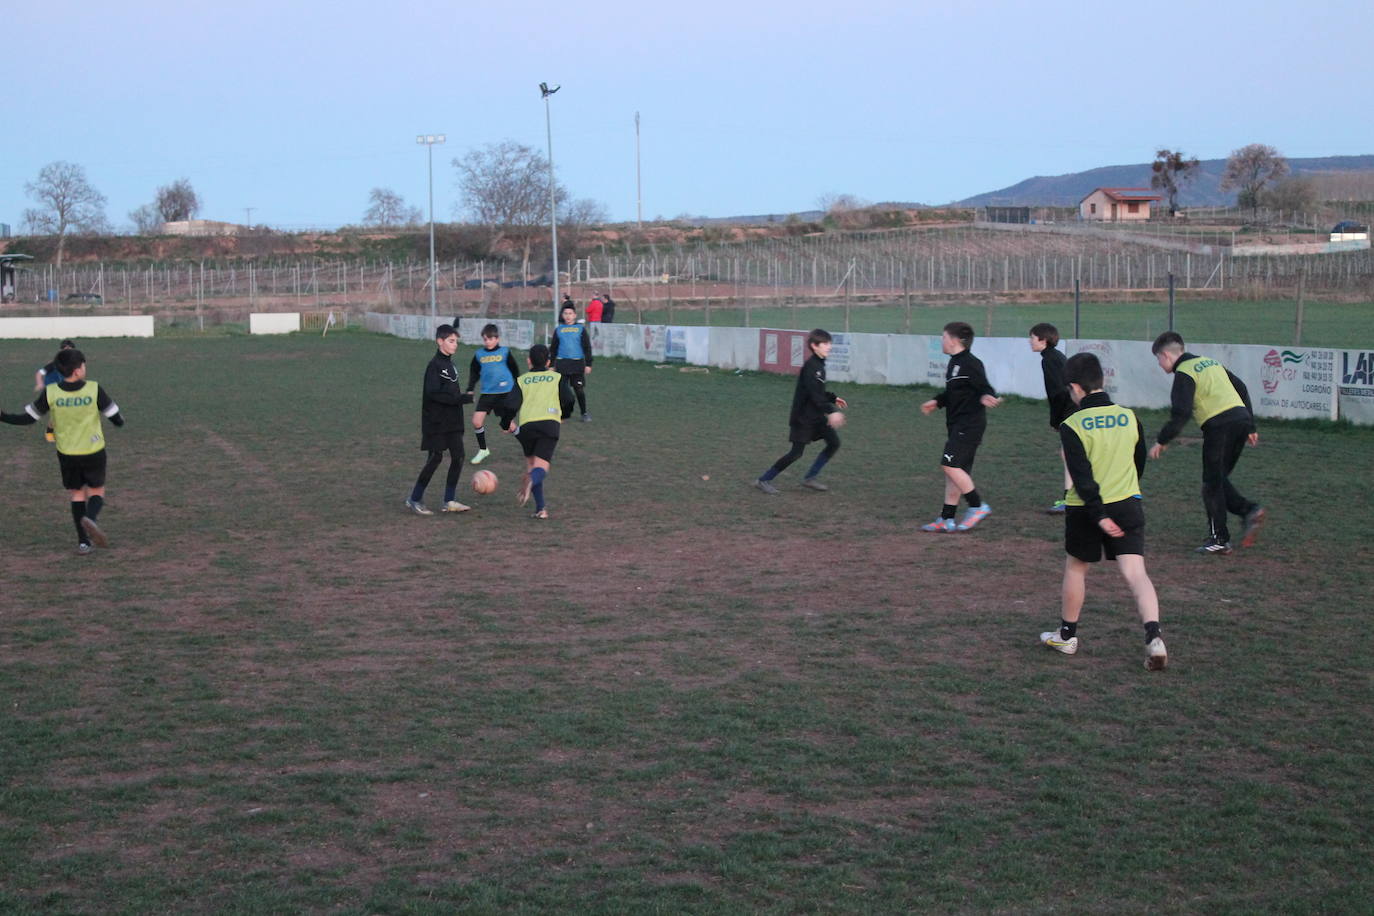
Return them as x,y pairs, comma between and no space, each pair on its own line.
1284,382
77,328
274,322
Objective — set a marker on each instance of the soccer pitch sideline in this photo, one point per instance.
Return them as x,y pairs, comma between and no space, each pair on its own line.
279,691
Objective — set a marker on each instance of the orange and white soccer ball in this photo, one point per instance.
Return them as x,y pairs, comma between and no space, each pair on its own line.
484,482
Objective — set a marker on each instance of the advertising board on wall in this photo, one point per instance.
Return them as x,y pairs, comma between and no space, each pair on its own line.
1356,369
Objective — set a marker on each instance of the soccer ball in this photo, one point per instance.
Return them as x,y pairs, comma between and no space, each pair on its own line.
484,482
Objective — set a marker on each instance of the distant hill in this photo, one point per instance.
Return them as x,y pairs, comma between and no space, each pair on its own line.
1204,191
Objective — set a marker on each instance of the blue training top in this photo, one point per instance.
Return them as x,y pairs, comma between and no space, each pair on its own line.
570,341
496,377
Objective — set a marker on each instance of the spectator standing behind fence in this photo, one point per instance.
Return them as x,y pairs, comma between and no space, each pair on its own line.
607,309
594,309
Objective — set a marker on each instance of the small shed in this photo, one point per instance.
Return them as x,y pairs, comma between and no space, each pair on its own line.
8,263
1117,205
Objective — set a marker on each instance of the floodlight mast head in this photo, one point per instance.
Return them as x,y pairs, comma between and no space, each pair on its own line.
545,91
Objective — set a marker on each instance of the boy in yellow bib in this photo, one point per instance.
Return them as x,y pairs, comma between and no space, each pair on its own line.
1205,390
1104,449
544,400
76,406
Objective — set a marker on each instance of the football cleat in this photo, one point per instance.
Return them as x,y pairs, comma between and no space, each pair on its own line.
482,455
812,483
766,486
1214,547
1254,520
526,487
1067,646
940,525
414,505
1057,507
973,516
83,548
1158,658
454,506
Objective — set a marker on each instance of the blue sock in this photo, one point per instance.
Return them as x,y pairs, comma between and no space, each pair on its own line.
537,489
450,494
816,465
417,494
769,474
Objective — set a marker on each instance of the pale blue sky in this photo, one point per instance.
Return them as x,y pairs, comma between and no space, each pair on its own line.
299,109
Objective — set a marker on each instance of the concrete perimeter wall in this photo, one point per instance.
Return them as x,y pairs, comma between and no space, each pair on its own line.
1284,382
77,327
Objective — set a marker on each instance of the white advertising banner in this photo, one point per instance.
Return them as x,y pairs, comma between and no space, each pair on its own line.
1130,372
733,348
1355,370
1288,382
517,334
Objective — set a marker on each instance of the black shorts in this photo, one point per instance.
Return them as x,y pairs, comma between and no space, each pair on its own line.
1085,540
489,403
539,438
572,370
960,448
82,470
443,442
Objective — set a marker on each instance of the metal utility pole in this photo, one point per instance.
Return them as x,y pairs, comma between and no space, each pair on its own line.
639,184
553,206
248,217
429,140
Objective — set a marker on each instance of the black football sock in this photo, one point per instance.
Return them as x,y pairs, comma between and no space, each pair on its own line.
1152,631
1068,630
78,513
93,506
974,500
482,437
948,511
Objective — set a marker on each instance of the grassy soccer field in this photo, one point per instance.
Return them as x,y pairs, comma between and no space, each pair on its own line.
278,691
1273,323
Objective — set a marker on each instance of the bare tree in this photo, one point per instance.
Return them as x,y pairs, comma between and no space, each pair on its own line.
505,188
832,203
1296,193
575,218
1170,173
388,209
177,201
66,201
146,220
1249,169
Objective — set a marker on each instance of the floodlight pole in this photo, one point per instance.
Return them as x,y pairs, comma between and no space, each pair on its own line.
428,141
553,207
639,184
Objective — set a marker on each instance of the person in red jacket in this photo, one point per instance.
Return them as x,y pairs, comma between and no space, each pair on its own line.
594,309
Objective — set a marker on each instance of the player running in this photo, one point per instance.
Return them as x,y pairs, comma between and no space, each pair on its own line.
545,401
496,368
77,405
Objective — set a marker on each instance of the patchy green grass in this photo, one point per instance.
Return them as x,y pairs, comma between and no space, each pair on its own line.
1325,324
280,692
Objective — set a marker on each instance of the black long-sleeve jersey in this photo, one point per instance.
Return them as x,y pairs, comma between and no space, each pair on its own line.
443,397
965,383
1056,391
811,403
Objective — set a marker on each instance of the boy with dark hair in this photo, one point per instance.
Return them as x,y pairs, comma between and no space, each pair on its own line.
1207,390
496,367
76,406
1043,338
49,375
608,310
815,415
571,352
441,423
1104,448
545,401
966,396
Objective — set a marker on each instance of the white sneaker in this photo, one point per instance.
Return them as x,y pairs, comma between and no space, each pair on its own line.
1067,646
1159,656
482,455
417,507
454,506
